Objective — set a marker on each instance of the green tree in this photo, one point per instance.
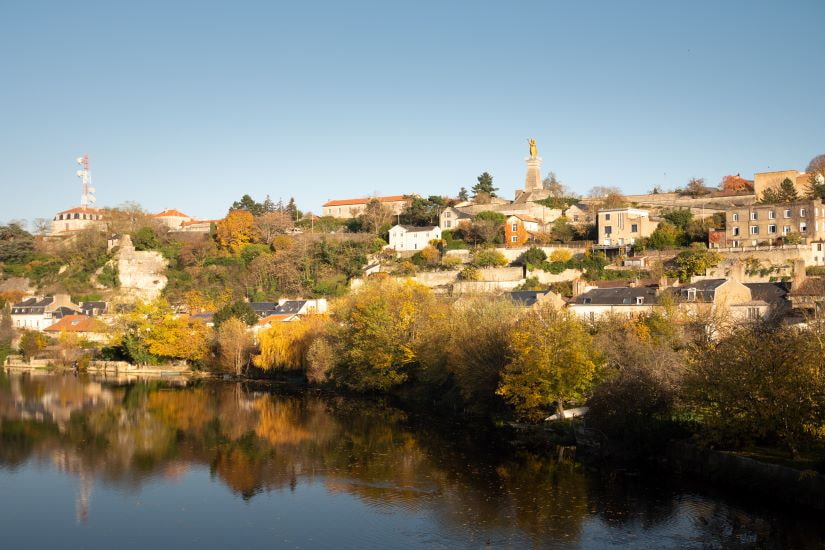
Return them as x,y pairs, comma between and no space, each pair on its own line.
145,238
551,362
666,235
463,195
484,185
785,193
236,310
533,257
695,261
250,205
680,217
6,329
32,343
562,231
16,244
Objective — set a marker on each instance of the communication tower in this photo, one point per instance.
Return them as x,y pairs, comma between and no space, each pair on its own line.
87,199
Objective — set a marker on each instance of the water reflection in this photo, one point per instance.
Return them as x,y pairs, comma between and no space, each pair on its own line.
255,441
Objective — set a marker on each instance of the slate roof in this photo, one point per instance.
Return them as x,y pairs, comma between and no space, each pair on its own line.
775,294
93,308
417,229
624,296
527,298
705,289
32,306
62,311
264,309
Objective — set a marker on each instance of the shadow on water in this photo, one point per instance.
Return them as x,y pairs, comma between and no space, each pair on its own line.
467,487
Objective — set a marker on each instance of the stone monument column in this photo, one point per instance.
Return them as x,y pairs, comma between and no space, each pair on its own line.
533,180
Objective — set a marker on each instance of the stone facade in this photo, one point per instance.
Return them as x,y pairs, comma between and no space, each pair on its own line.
758,223
140,273
352,208
623,226
763,181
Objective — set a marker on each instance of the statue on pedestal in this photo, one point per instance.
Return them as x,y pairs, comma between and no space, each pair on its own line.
533,151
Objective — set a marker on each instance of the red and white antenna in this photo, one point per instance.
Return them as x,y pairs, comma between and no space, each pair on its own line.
88,197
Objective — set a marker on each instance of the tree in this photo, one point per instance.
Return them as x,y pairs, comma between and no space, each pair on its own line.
16,244
6,329
270,224
463,195
484,185
236,230
145,238
248,204
816,166
665,236
533,257
486,227
696,261
420,211
555,188
696,188
382,325
680,217
321,358
488,257
152,332
236,310
761,383
562,231
32,343
786,192
736,184
816,186
234,345
285,344
376,218
292,210
551,362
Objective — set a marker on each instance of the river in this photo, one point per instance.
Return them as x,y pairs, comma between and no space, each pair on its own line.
94,463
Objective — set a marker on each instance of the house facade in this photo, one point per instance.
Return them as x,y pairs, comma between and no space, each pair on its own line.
618,227
76,219
450,218
405,238
579,213
763,181
83,326
352,208
519,229
763,223
173,219
38,313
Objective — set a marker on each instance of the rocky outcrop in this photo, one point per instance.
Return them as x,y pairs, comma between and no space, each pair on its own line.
141,273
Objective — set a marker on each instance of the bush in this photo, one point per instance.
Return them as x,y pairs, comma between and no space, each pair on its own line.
469,273
561,255
489,258
532,257
451,261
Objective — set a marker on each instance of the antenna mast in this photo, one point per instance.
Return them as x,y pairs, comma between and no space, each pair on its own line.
88,197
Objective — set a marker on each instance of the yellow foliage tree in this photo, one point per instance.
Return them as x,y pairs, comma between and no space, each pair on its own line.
154,328
285,345
236,230
551,361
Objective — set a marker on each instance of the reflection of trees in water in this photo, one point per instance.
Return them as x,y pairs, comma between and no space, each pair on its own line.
257,441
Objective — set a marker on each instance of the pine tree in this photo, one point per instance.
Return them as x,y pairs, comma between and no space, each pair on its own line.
463,195
485,185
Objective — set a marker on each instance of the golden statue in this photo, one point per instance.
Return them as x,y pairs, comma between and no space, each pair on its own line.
533,151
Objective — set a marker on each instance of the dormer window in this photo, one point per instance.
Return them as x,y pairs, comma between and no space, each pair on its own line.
640,300
588,301
690,294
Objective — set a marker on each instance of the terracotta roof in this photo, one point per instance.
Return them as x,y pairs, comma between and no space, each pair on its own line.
77,323
351,202
170,213
82,210
277,318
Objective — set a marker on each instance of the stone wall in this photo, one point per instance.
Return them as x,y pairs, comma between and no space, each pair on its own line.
140,273
482,287
546,278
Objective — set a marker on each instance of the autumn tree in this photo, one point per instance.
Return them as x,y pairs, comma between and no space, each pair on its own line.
554,187
696,188
376,218
6,328
152,332
382,324
32,343
816,166
736,184
552,362
285,344
696,261
484,185
236,230
236,310
270,224
321,357
234,344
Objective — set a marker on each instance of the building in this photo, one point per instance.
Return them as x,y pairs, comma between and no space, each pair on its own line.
451,217
93,309
408,237
290,307
626,301
579,213
76,219
37,313
81,325
621,227
352,208
764,223
536,298
519,229
173,219
773,180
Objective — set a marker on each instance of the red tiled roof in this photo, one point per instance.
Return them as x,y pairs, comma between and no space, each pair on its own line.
170,213
77,323
351,202
82,210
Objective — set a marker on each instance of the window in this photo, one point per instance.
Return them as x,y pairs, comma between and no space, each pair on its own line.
754,230
735,231
634,228
514,239
754,313
736,217
690,293
575,217
754,215
787,213
771,215
786,229
514,227
734,244
819,247
588,300
608,230
771,229
448,223
640,300
607,216
803,212
626,301
803,227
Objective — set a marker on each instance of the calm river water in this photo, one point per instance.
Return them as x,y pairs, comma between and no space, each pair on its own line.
88,463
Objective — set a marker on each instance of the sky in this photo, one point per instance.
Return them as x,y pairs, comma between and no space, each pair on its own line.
192,104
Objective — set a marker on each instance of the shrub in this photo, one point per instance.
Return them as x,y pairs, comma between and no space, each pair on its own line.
469,273
561,255
489,258
451,261
532,257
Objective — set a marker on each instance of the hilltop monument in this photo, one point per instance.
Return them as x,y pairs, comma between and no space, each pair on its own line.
533,180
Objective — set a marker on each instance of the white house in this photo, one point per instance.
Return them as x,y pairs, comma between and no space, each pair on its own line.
37,313
173,219
408,237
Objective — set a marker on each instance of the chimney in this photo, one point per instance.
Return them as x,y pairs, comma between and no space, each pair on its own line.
579,287
798,274
737,272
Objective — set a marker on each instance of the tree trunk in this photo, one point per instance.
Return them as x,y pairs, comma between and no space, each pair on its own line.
560,409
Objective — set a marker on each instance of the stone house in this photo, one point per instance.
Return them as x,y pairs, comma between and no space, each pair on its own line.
83,326
626,301
407,237
536,298
352,208
173,219
37,313
620,227
757,223
519,229
76,219
450,218
579,214
763,181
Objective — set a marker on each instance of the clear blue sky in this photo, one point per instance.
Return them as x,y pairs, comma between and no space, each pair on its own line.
191,104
